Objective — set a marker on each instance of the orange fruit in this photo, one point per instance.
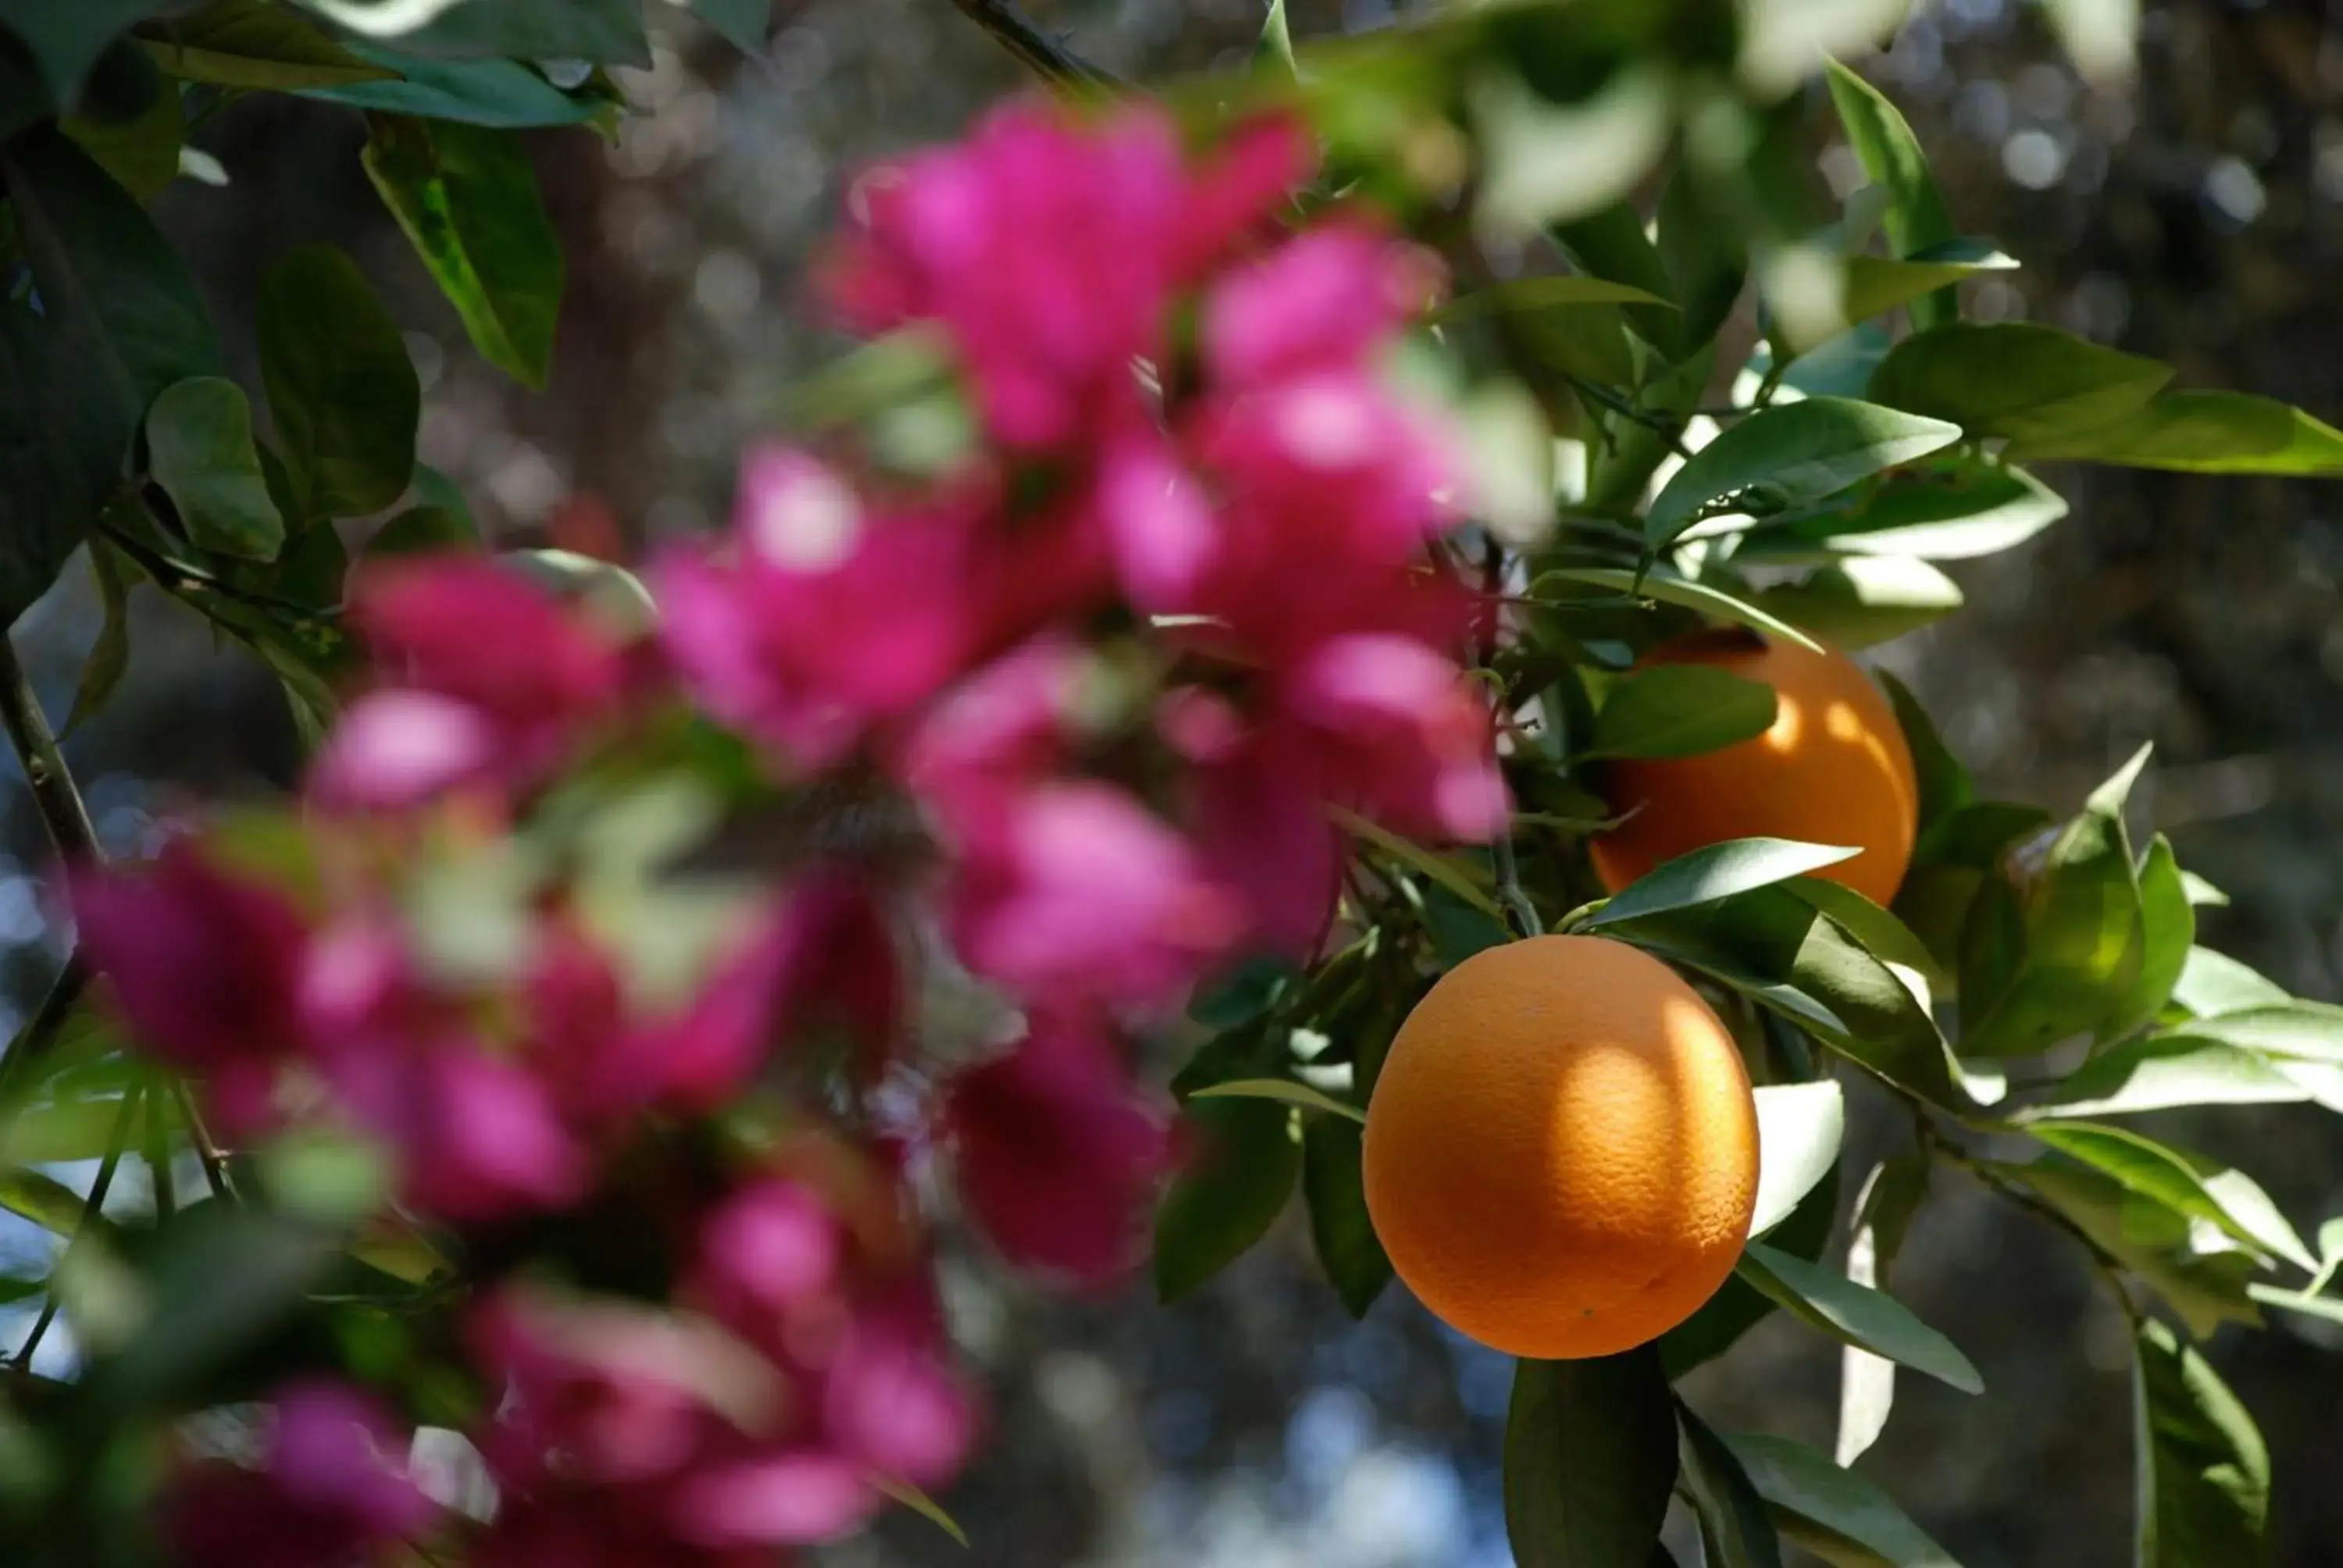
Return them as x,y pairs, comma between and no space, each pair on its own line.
1832,769
1561,1151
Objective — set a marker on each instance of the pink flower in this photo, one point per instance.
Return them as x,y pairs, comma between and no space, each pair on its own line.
1395,731
829,619
205,967
774,1499
331,1487
1057,1155
995,735
891,1401
770,1248
1260,822
1050,251
1325,300
449,715
1079,895
476,1137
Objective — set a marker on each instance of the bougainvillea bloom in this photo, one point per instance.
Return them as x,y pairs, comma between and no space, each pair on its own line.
331,1487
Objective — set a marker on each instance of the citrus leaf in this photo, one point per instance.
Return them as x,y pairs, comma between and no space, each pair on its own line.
199,450
2212,984
2015,380
44,1199
1669,589
1891,154
1839,1516
1712,872
499,94
2150,1240
1552,292
2204,433
1680,710
920,1504
601,32
1862,600
1953,507
1736,1529
1590,1461
2203,1473
341,387
1439,868
1331,1182
2157,1072
2168,930
1791,454
2186,1183
1244,1168
109,656
252,44
1284,1089
1892,1193
1799,1127
1854,1315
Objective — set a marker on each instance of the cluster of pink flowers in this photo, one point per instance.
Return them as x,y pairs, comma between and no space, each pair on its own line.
1195,478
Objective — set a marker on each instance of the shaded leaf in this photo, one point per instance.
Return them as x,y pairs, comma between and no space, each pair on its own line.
2157,1072
1791,454
341,387
1680,710
1856,1315
2203,1473
602,31
502,94
1348,1249
1590,1461
109,656
468,200
1839,1516
2014,379
1244,1167
1736,1529
1670,589
1284,1089
1799,1126
2186,1183
1712,872
2149,1239
253,44
66,39
199,450
141,153
1441,869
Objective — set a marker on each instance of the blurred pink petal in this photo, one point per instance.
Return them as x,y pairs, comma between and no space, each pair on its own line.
770,1247
476,1137
892,1403
779,1500
995,734
1057,1156
1260,825
1243,186
1402,735
398,747
1162,528
332,1490
1323,301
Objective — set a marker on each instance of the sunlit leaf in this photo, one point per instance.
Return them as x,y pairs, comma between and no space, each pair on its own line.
1799,1126
1890,156
1838,1516
2029,384
1892,1193
1712,872
1864,599
2187,1183
2203,1473
1791,454
1669,589
1284,1089
1856,1315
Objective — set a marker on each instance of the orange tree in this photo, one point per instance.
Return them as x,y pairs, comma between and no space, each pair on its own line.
1328,630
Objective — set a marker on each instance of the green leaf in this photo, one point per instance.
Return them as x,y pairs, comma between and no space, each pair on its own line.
1892,1193
109,656
2186,1183
1348,1249
2014,379
2203,1473
1945,784
1680,710
2054,944
1441,869
1791,454
1736,1530
2211,984
141,153
44,1199
2167,932
253,44
1863,601
499,94
2310,1031
2157,1072
742,25
1544,162
1712,872
1890,156
199,450
56,462
1668,589
920,1504
1737,1306
1706,255
1878,283
1590,1461
1613,244
1952,506
1877,930
1285,1090
468,200
1553,291
1244,1168
341,385
2206,1289
2204,433
1799,1126
67,36
1839,1516
600,32
1854,1315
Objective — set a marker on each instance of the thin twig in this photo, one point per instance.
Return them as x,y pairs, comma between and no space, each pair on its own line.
93,1208
1511,895
34,1040
1044,54
66,817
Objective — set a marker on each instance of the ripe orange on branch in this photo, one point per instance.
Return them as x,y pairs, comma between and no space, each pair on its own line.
1833,768
1561,1152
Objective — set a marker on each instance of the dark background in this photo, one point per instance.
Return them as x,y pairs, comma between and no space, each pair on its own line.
2198,218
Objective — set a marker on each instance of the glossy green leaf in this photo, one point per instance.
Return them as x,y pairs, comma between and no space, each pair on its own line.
2157,1073
2054,944
53,467
1669,588
44,1199
600,32
2186,1183
2014,379
1952,506
2211,984
2203,1473
1799,1127
1704,252
1444,870
1877,930
1945,784
1853,1314
1878,283
2206,1289
500,95
67,36
1272,53
141,153
1712,872
1840,1516
1554,291
1891,1194
1332,1182
2312,1032
1736,1529
468,200
1613,244
1791,454
1246,1163
1590,1461
253,44
1679,710
1283,1090
1864,599
341,387
2204,433
109,655
1890,154
199,450
2167,932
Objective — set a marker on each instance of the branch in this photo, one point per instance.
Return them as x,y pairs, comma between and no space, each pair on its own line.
93,1211
1045,55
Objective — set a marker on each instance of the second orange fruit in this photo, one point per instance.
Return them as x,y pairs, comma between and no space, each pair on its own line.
1833,768
1561,1152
